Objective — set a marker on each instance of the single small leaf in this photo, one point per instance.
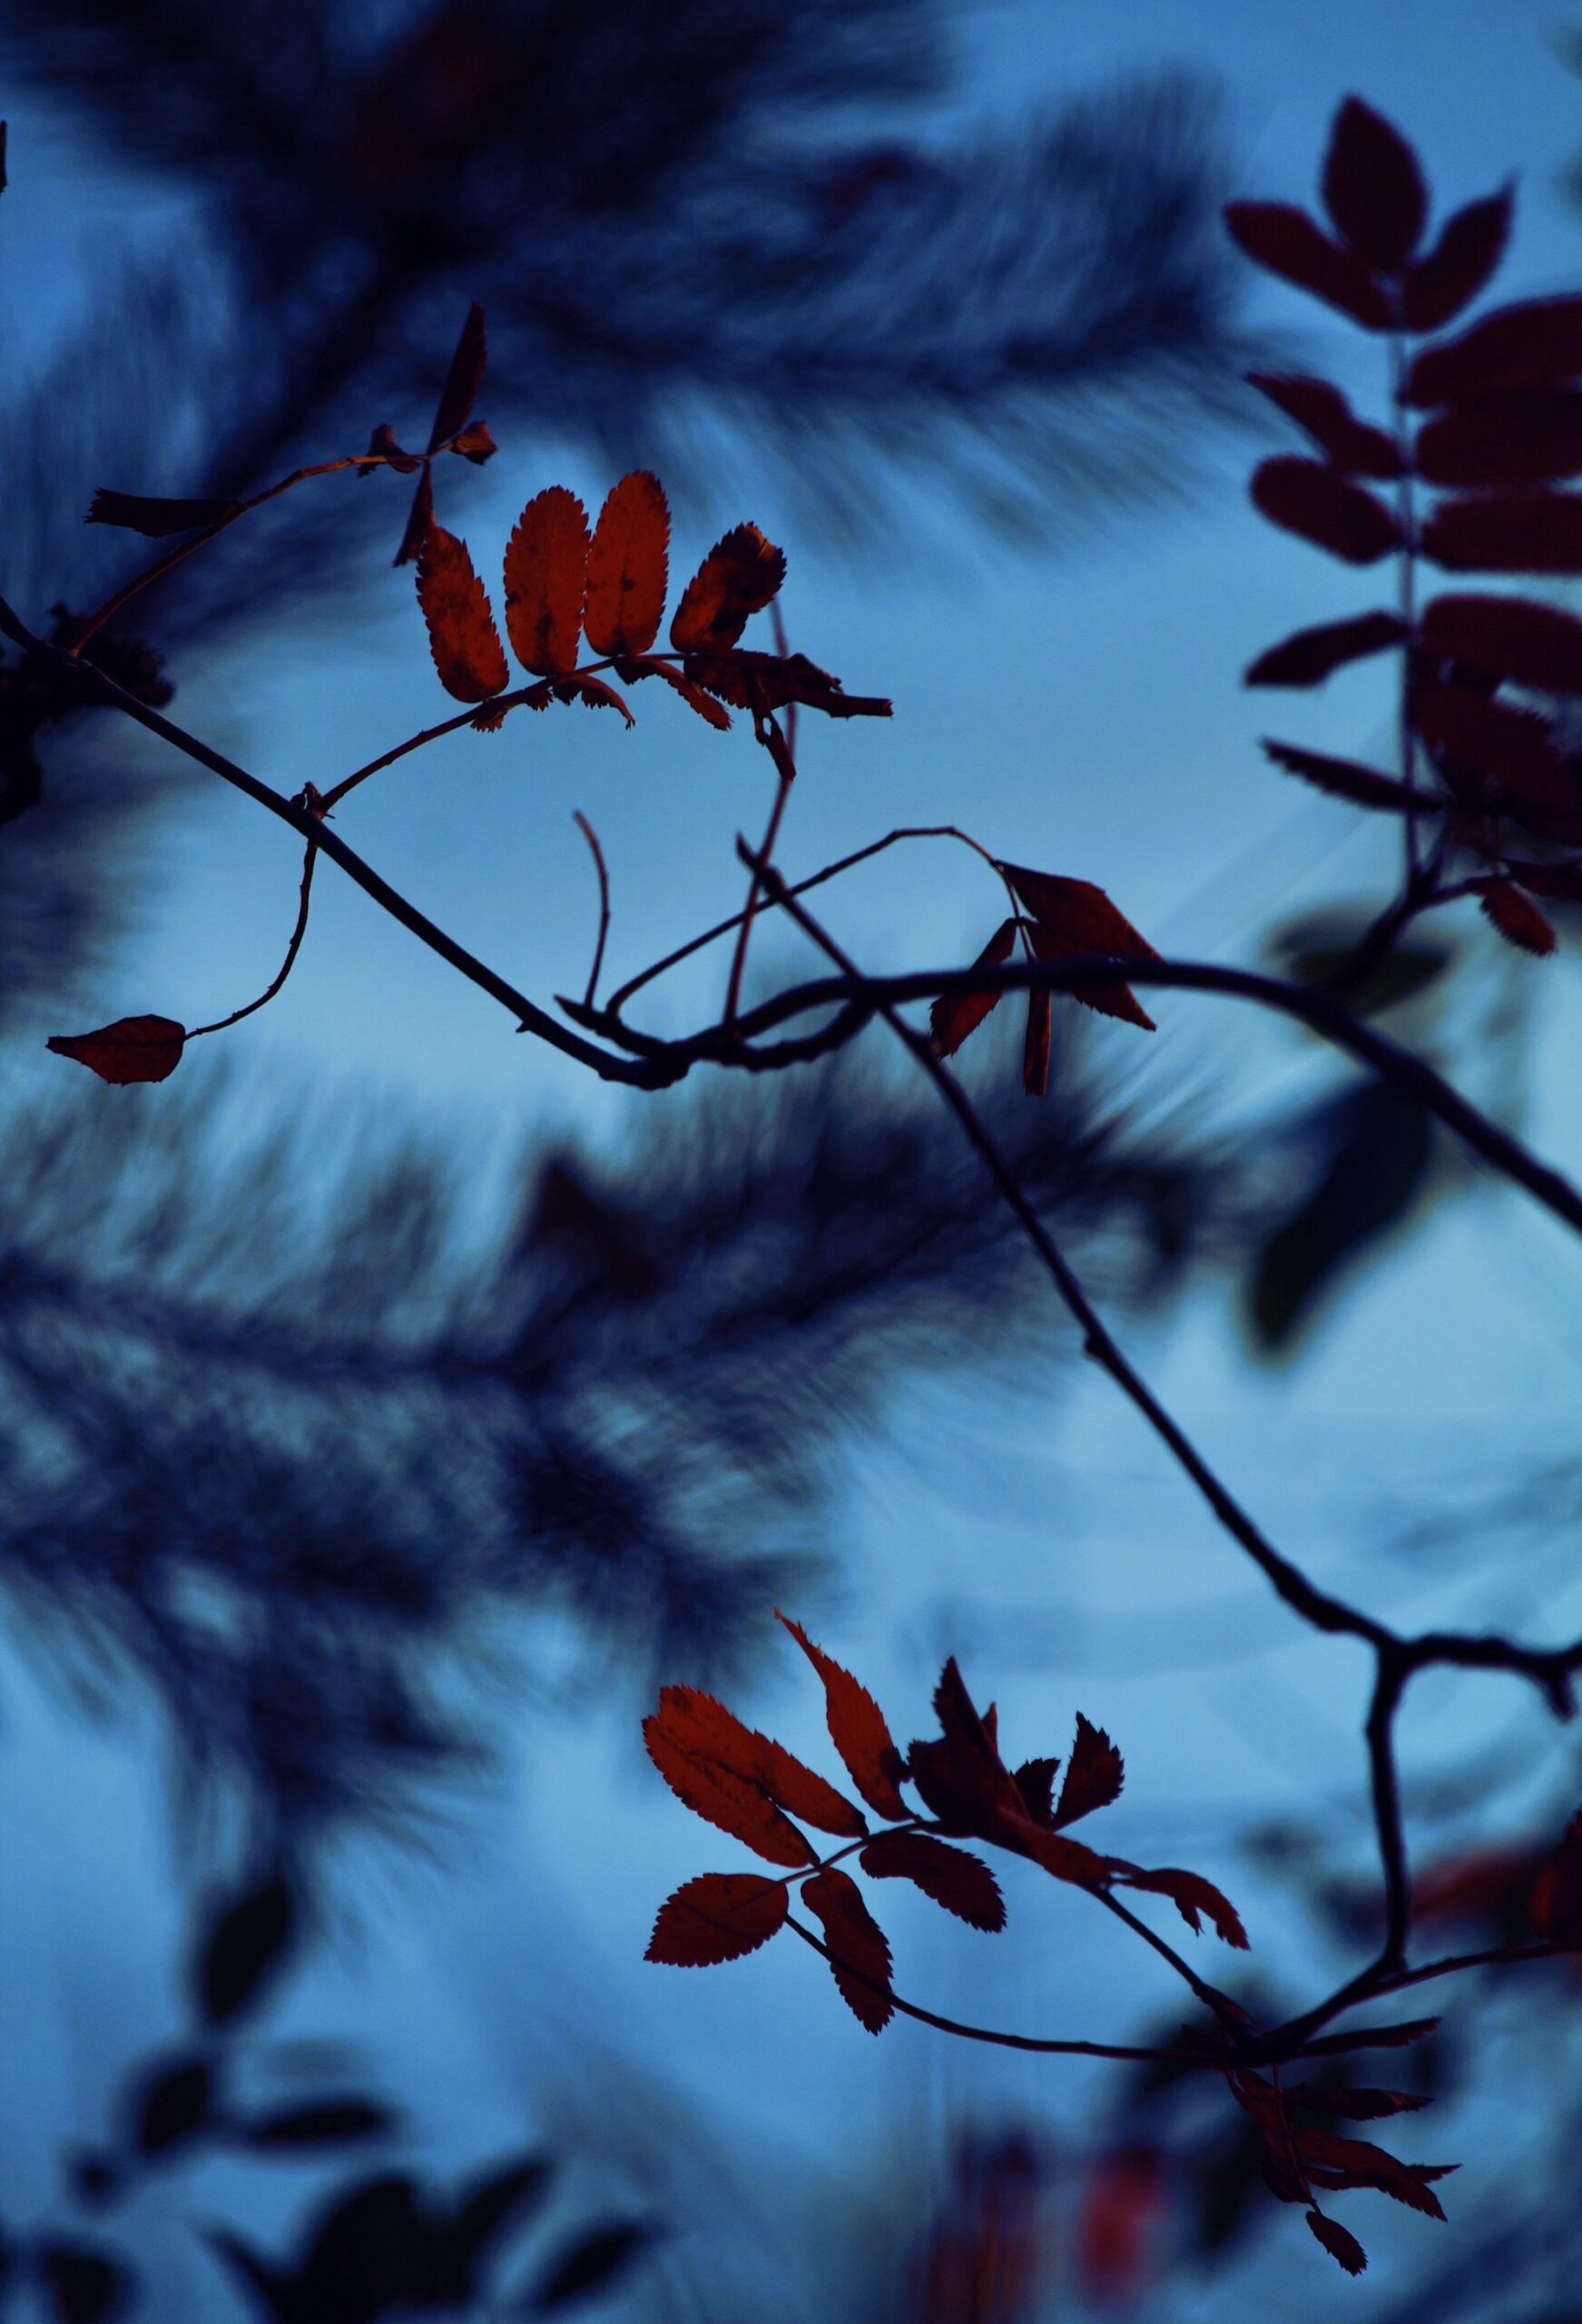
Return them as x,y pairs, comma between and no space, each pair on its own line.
1035,1044
135,1049
1557,1905
1517,918
762,683
1035,1779
589,2265
1349,444
84,2286
1308,658
1533,343
718,1916
157,517
475,443
1373,187
462,381
737,1806
174,2103
737,578
1338,2241
1071,919
628,563
547,567
695,696
244,1948
1305,498
962,1884
1494,755
1355,2163
1094,1774
462,636
1364,786
1503,439
1195,1899
1518,638
326,2123
382,445
861,1960
702,1727
1462,262
857,1729
593,693
1290,244
955,1015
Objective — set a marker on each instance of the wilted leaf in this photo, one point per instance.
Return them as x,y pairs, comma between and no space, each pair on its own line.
1350,445
1517,918
1364,786
1563,882
1072,919
462,636
1035,1779
173,2104
1463,259
1094,1774
135,1049
1308,658
1533,343
718,1916
327,2121
1195,1899
1507,532
590,2264
1556,1905
737,1806
1035,1044
955,1015
1338,2241
857,1729
546,567
1290,244
1503,439
961,1883
243,1949
1373,187
1308,498
695,696
861,1964
702,1727
737,579
628,564
382,445
157,517
84,2286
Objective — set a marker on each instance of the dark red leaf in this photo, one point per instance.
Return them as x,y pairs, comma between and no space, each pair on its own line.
628,565
1495,756
705,1730
1073,919
476,444
547,568
1557,1905
737,579
156,517
1290,244
718,1916
1470,245
1094,1774
594,693
765,682
1035,1044
961,1883
957,1014
1349,444
1364,786
857,1729
382,445
736,1806
462,636
1507,532
135,1049
1533,343
1503,439
462,381
691,693
1305,498
862,1961
1355,2163
1195,1899
1373,187
1517,918
418,518
1338,2241
1517,638
1354,2105
1309,657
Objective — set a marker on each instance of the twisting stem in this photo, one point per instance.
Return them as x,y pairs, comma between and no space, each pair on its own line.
309,857
592,837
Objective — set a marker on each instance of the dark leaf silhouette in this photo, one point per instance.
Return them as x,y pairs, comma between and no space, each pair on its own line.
1534,343
271,2287
84,2286
1071,919
1503,439
1035,1779
1306,497
737,1806
1354,2105
328,2122
462,636
368,2248
383,444
1036,1045
135,1049
419,517
590,2264
961,1883
628,563
1463,259
857,1729
1364,786
1195,1899
860,1952
1373,187
1556,1905
718,1916
1354,2162
1308,658
1494,754
762,683
243,1951
968,1788
1094,1774
1517,918
476,444
174,2103
157,517
1290,244
1517,638
1509,532
956,1015
547,567
1338,2241
593,693
737,579
703,1728
1349,444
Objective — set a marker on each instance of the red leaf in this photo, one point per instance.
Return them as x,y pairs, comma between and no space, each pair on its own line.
547,568
1563,882
156,517
1308,498
962,1777
462,381
419,517
1496,755
1093,1775
861,1964
1355,2105
1290,244
1035,1044
1350,445
704,1730
1193,1896
718,1916
1072,919
1356,2162
1309,657
462,636
1338,2241
1533,343
1503,439
955,1015
135,1049
1507,532
857,1729
1517,638
628,565
738,1807
691,693
1373,187
1517,918
1364,786
1558,1899
475,443
1470,245
737,578
961,1883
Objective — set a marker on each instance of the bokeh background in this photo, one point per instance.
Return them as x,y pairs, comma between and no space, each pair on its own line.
389,1407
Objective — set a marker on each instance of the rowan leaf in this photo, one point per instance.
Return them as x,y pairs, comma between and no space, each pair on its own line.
1071,919
1287,241
1364,786
718,1916
1035,1044
462,636
1506,532
1194,1898
1532,343
736,1806
593,693
861,1962
762,683
1338,2241
1493,753
135,1049
628,565
1557,1907
1462,262
1517,918
955,1015
1503,439
737,578
157,517
1094,1774
1349,444
962,1884
1373,187
546,565
1309,657
857,1729
1358,2163
1308,498
1518,638
462,381
474,443
702,1727
1035,1779
695,696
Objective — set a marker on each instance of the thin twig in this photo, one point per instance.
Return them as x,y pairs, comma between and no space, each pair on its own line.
592,837
774,741
309,857
1388,1687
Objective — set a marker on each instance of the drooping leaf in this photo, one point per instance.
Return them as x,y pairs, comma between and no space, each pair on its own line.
1094,1774
1349,444
244,1948
135,1049
1557,1903
1036,1043
1373,187
762,683
84,2286
861,1962
462,381
1195,1899
174,2103
695,696
157,517
546,570
1308,658
323,2122
1338,2241
1517,918
1306,497
737,578
1532,343
705,1730
1287,241
955,1015
1355,2163
718,1916
628,565
1518,638
961,1883
1364,786
382,445
593,693
857,1729
1494,754
1071,919
737,1806
462,636
1503,439
1463,260
590,2264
